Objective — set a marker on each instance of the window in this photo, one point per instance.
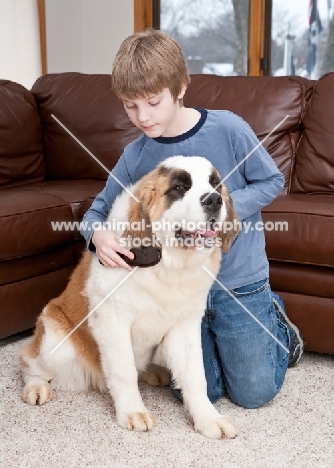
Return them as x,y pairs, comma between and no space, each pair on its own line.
254,37
302,38
213,34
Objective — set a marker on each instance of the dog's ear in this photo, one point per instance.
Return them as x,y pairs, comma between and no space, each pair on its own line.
231,225
139,223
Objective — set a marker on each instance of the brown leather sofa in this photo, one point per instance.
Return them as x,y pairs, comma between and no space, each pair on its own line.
47,176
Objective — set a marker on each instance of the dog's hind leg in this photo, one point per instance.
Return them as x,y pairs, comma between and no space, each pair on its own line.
35,375
43,363
155,375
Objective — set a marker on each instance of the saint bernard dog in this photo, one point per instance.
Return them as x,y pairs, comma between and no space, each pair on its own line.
109,325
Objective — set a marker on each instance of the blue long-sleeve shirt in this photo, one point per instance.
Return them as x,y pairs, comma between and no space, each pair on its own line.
253,182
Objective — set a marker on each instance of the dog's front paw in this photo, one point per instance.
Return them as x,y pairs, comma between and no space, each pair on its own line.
221,427
137,421
37,394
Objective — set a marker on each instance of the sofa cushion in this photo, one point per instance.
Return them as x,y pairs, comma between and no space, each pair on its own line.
25,223
302,279
88,108
314,171
310,223
262,102
22,301
19,269
21,158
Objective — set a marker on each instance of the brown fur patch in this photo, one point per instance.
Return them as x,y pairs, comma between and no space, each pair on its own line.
72,306
231,217
139,212
33,348
162,184
152,204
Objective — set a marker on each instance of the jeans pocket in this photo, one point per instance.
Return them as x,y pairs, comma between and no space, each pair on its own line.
250,289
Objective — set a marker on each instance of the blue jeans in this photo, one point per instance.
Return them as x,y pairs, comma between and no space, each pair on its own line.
245,355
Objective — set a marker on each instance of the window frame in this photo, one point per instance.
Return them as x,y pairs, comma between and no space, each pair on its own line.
42,34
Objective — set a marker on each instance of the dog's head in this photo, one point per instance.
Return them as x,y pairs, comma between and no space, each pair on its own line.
183,204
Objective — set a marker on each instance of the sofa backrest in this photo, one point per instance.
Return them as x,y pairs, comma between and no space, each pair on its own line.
88,108
314,170
263,102
21,157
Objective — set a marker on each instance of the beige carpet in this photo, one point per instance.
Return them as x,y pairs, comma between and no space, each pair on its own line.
79,430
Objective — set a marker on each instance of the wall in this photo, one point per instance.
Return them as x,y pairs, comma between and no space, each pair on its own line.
84,35
20,43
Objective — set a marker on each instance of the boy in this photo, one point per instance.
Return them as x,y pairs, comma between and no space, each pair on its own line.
247,339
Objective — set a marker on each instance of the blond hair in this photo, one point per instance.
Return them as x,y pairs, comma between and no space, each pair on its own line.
146,63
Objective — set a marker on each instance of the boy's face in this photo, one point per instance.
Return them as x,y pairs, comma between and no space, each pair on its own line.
155,115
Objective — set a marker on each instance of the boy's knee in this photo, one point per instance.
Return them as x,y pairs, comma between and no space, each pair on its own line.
255,398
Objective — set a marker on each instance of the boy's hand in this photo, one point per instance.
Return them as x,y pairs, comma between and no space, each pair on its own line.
107,249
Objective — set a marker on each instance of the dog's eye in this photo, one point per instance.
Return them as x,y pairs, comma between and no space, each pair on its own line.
214,181
180,188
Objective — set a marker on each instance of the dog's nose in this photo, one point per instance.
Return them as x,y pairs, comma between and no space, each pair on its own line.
211,201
